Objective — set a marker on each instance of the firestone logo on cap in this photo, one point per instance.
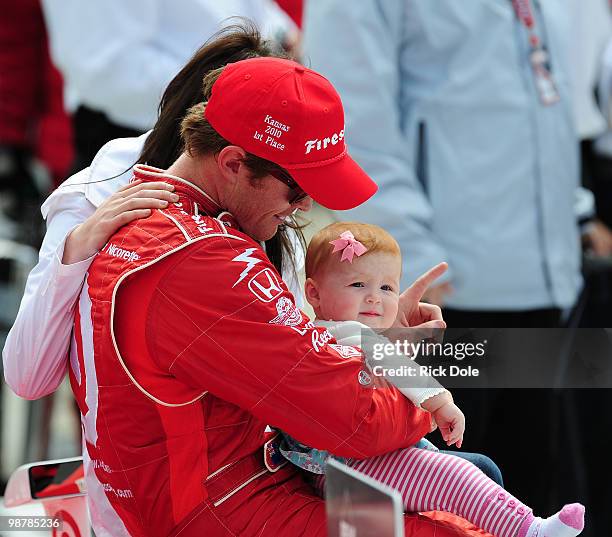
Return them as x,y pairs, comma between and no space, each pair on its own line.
278,110
281,111
317,144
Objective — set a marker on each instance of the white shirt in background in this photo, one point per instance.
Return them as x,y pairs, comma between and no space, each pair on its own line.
118,56
592,20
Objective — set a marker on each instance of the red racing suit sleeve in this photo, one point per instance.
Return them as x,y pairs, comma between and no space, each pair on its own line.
221,319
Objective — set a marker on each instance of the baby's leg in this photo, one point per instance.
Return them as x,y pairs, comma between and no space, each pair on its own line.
482,462
430,481
317,481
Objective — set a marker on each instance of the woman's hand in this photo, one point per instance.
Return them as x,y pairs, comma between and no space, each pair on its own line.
414,313
135,200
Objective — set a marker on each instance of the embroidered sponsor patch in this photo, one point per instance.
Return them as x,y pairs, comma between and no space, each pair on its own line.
318,145
265,285
288,313
320,339
345,351
201,223
115,251
364,378
273,458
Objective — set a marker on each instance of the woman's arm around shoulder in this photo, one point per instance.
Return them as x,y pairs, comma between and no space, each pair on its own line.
34,355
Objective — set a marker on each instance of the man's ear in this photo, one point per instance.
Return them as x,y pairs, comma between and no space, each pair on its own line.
311,292
231,162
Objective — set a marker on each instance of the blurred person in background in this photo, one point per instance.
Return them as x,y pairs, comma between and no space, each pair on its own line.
591,74
117,57
35,147
461,111
600,152
591,62
293,8
474,167
34,129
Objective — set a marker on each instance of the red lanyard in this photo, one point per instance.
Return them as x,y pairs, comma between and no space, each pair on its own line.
539,57
524,12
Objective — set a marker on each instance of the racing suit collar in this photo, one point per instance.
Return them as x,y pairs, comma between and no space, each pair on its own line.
189,194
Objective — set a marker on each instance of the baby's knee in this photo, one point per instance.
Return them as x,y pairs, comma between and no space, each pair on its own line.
488,467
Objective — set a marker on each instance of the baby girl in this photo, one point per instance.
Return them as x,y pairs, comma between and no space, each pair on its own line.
352,282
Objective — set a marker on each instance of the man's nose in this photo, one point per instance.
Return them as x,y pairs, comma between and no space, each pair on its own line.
305,204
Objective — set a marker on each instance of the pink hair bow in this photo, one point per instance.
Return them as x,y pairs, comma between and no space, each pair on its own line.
349,245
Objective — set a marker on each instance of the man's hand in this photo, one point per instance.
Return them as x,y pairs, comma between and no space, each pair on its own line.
414,313
597,239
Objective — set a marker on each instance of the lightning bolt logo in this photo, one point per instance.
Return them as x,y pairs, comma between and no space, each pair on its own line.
245,257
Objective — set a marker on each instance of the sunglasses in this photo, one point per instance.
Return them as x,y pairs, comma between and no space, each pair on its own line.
296,194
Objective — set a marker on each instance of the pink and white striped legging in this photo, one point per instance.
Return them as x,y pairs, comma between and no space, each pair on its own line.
432,481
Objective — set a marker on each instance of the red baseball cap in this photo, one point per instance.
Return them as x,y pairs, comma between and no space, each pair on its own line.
286,113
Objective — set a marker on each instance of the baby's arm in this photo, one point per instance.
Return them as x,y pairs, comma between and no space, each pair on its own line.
425,392
422,389
448,417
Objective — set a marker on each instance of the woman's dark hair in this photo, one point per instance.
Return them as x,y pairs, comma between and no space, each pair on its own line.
164,145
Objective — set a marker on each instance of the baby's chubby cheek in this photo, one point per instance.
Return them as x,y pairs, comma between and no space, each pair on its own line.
390,315
343,309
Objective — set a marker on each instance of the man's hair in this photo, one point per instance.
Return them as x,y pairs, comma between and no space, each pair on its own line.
200,138
231,44
164,144
319,255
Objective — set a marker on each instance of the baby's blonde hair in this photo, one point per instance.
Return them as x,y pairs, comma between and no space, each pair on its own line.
319,255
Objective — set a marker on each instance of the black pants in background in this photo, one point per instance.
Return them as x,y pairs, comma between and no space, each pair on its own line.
513,426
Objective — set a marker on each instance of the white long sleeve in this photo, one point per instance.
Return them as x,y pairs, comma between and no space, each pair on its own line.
417,388
35,352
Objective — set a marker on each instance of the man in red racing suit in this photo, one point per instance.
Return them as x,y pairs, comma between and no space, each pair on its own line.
188,343
189,370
